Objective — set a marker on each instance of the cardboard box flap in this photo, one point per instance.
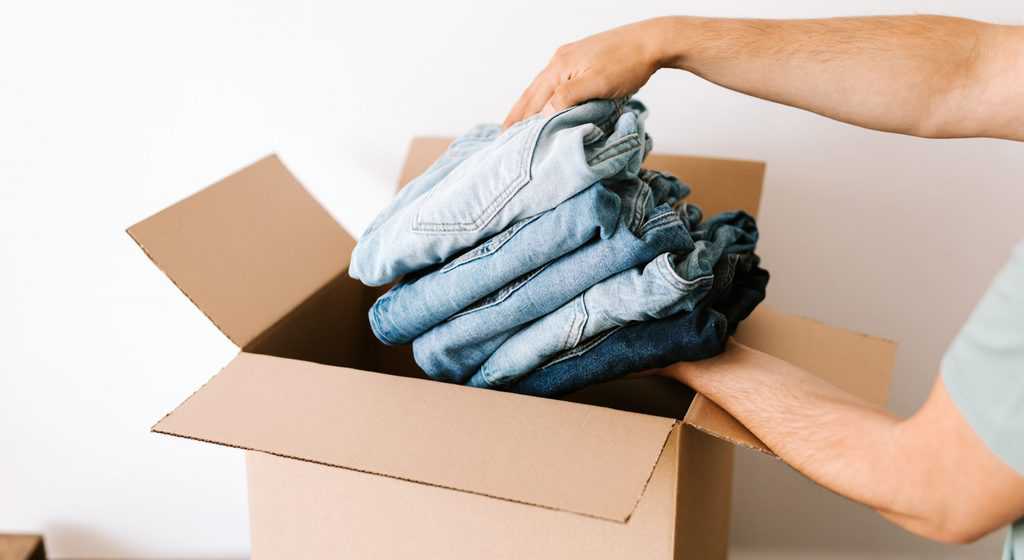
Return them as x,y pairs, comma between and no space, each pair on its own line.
247,249
854,362
554,454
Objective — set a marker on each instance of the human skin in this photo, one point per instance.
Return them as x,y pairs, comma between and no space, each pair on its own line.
927,76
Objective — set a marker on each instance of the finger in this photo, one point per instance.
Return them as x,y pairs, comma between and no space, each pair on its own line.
540,96
518,111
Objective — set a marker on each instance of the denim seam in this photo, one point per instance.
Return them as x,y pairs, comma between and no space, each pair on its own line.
579,350
488,248
523,178
667,218
591,137
675,280
503,297
640,209
377,326
621,146
613,116
579,320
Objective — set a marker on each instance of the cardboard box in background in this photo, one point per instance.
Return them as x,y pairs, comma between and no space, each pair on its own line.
352,453
22,547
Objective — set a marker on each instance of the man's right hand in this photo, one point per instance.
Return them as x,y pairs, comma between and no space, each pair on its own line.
615,63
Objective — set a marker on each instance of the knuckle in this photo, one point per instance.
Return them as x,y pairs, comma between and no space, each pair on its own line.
564,51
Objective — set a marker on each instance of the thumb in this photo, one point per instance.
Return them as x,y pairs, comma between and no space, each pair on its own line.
575,91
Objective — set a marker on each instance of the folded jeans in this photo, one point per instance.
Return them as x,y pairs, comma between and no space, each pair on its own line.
424,299
669,284
456,348
687,336
495,178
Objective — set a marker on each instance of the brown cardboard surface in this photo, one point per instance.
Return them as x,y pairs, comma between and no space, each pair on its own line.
704,496
566,456
22,547
306,510
717,184
329,327
248,249
854,362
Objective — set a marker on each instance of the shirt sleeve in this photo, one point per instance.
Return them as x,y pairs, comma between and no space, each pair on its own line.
983,369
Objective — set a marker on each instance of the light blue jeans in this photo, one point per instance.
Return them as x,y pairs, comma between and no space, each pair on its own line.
421,301
494,179
456,348
671,283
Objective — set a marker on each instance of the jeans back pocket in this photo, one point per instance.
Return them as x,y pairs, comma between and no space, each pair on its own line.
472,194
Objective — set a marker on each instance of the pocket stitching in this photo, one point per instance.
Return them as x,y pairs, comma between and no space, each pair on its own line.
523,178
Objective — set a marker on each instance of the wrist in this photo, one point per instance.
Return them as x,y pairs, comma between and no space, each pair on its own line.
666,37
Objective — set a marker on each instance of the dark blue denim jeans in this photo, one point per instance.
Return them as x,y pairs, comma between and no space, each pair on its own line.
687,336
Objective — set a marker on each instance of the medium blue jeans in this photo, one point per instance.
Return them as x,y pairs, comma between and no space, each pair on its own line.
740,286
496,179
672,283
423,300
456,348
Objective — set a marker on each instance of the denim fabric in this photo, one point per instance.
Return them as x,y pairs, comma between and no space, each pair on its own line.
455,349
670,284
415,305
527,169
458,151
422,301
688,336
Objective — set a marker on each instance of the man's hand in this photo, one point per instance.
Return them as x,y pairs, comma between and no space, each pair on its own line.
612,64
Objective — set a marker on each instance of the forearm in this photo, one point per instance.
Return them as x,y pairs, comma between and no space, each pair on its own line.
920,75
907,470
827,434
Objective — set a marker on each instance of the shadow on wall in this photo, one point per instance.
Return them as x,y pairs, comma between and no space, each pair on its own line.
761,521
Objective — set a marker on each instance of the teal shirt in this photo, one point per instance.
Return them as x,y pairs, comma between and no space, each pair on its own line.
983,371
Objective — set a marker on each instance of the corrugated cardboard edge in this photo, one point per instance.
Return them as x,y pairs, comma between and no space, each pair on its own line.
180,289
297,233
750,442
675,425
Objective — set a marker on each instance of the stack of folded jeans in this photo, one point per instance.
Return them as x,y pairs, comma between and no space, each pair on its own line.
543,258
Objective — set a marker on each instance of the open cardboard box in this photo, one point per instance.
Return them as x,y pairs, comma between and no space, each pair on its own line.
345,462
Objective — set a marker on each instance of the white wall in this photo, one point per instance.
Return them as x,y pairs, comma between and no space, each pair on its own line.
110,111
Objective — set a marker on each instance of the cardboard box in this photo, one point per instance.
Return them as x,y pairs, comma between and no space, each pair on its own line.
346,462
22,547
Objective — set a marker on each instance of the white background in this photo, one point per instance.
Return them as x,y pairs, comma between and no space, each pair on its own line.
111,111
